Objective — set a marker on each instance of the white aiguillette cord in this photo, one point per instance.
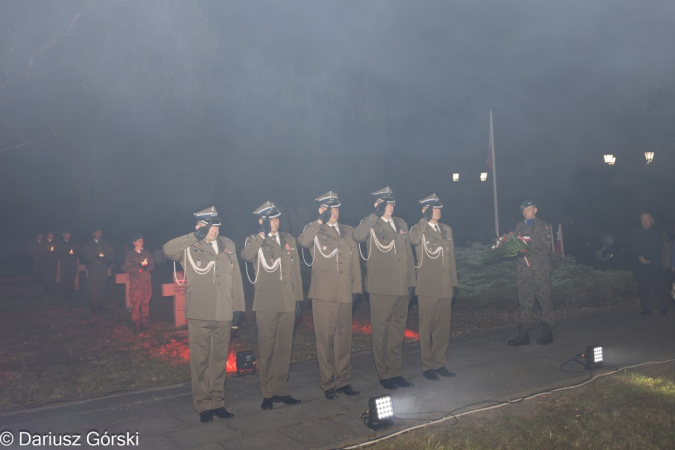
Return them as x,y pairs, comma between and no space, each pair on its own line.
269,269
430,254
383,248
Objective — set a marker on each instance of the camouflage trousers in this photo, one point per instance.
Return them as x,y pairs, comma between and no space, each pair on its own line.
140,292
534,283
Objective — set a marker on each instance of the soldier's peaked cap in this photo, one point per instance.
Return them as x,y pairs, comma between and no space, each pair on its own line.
526,203
329,200
267,210
432,201
136,237
208,215
384,195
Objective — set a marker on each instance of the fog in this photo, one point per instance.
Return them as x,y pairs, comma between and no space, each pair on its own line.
132,115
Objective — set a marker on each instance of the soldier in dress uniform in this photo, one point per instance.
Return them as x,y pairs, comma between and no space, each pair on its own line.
36,251
533,276
70,252
277,302
390,282
436,286
97,253
214,298
138,264
50,261
336,278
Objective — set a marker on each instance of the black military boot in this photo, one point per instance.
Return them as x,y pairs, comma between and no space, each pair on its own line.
546,336
522,339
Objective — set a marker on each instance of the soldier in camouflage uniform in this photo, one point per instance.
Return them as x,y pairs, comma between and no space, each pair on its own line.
68,263
97,253
50,261
36,251
436,286
277,302
138,264
534,279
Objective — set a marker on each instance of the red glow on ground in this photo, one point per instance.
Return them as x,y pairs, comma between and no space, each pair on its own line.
178,352
362,327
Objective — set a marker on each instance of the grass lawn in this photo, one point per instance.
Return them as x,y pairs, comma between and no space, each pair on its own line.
59,351
634,410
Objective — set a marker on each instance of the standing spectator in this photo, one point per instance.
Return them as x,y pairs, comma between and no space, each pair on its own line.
68,262
138,264
50,261
647,249
97,253
36,251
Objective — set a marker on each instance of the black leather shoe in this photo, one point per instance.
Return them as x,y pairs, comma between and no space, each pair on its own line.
401,382
388,384
347,389
222,413
330,394
430,375
445,372
645,313
287,399
205,416
267,403
522,339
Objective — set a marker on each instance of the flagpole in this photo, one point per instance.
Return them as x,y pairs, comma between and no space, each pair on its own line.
494,175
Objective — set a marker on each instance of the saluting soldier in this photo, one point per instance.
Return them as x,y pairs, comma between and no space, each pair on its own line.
68,262
336,278
36,251
277,302
214,298
533,276
138,264
390,282
97,253
436,286
50,261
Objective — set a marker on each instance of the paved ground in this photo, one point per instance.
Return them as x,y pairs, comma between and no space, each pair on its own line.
487,369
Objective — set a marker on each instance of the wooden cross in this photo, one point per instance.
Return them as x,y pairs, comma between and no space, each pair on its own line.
124,278
177,291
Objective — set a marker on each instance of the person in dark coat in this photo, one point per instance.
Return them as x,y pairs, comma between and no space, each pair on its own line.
646,248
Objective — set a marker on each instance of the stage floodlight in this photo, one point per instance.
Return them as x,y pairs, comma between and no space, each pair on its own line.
483,176
380,412
245,362
455,177
594,357
649,156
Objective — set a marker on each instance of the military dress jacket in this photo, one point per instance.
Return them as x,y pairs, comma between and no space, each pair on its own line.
90,253
335,278
276,290
132,265
436,274
539,246
214,289
389,272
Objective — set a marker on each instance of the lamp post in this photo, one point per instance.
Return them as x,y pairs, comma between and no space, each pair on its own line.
649,156
455,177
610,159
483,176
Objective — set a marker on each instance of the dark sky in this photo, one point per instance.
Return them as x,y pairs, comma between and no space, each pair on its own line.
134,114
